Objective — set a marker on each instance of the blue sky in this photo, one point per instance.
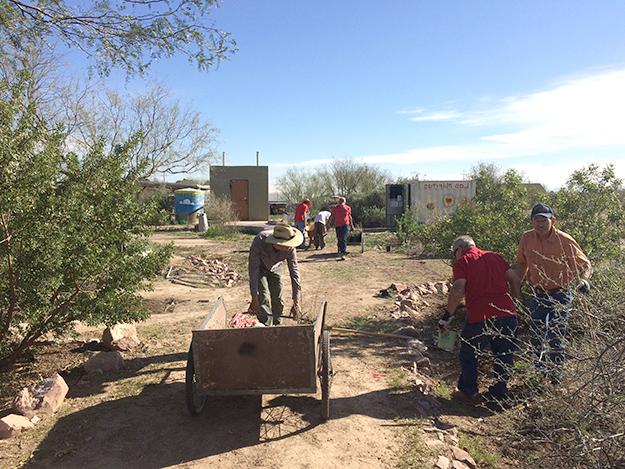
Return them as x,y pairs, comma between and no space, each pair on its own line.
416,87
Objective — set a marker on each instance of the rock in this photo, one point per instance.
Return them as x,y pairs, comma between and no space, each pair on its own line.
442,463
434,444
13,424
120,337
423,290
24,404
442,287
104,362
464,457
44,398
53,391
410,311
35,419
423,362
408,304
408,331
459,465
397,287
417,344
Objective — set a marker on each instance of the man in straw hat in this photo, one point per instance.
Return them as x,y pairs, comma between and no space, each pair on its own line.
268,250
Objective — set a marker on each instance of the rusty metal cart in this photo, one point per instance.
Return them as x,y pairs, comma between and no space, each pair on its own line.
257,360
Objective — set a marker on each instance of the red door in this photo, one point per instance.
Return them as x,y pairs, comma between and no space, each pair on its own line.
239,194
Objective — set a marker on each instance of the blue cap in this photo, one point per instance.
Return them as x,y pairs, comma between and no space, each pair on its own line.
542,210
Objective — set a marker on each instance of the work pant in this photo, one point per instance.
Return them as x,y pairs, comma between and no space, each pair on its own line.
270,297
320,234
549,317
342,232
500,335
301,226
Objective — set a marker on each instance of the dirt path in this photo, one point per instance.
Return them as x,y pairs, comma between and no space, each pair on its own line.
138,417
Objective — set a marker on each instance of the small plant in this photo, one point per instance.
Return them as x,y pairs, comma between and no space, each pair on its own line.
414,451
398,380
443,390
371,324
477,447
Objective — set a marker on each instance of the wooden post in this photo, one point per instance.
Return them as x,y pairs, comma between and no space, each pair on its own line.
257,158
223,158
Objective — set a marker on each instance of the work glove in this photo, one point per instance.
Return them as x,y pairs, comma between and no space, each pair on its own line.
296,310
583,286
445,321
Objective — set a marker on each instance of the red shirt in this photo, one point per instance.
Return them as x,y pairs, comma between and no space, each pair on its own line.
486,291
342,214
300,212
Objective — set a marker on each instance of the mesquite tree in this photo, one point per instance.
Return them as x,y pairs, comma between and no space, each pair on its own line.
124,34
73,241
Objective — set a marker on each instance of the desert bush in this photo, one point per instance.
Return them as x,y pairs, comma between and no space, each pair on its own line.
221,214
580,422
495,218
591,209
73,236
159,202
368,209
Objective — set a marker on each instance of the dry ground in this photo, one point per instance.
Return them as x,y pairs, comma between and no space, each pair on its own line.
138,417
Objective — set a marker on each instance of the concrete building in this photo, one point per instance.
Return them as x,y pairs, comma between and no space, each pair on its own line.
246,186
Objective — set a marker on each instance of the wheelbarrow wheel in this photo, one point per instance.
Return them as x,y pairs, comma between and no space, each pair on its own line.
195,402
326,375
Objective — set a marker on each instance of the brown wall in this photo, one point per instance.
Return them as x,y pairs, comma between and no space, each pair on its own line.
258,177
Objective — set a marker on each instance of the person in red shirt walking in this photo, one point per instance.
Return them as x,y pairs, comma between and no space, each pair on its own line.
488,284
301,210
342,218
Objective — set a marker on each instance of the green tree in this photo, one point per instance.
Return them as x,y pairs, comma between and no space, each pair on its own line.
73,241
590,208
125,34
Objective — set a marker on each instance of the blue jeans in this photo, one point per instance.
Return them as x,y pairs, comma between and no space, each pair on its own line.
342,232
549,313
500,335
301,226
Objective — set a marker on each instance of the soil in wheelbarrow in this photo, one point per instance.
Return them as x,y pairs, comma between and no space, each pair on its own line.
137,416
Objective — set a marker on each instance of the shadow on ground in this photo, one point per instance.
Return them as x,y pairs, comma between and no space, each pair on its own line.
153,429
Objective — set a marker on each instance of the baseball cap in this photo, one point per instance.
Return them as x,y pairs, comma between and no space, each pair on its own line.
541,210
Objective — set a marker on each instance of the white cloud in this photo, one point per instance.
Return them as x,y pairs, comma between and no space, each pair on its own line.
437,116
583,113
415,110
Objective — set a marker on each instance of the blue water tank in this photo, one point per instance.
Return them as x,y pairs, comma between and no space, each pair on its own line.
188,201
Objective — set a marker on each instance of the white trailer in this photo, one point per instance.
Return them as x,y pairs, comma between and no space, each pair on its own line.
433,199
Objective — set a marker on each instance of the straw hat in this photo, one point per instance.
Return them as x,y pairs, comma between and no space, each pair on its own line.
284,235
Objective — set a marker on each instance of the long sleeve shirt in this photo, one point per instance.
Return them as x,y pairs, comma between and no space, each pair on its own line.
264,256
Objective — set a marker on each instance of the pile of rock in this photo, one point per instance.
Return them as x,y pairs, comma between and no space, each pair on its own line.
116,338
205,273
409,299
34,403
442,440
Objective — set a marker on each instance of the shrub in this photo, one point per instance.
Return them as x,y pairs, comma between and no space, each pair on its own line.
368,209
73,241
221,215
579,424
